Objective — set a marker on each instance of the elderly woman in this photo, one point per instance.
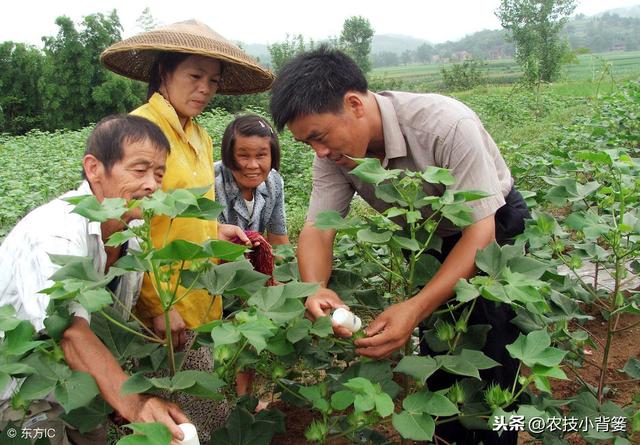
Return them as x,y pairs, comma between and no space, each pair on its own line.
247,178
185,65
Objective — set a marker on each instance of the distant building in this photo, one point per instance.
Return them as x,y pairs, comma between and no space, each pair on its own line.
618,47
462,55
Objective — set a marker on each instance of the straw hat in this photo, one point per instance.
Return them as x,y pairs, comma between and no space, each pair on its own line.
134,57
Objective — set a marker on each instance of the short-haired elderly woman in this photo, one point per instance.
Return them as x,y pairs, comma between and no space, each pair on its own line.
247,179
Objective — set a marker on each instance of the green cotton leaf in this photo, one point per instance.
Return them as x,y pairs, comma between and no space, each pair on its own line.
17,369
8,319
135,384
206,385
217,277
405,243
279,345
390,194
459,214
478,359
425,268
181,250
437,175
80,268
597,157
370,237
632,368
465,291
147,434
246,282
414,426
420,368
94,299
298,330
274,304
18,340
257,332
89,207
204,208
341,400
225,334
224,250
456,364
287,272
360,385
119,238
76,391
535,349
37,387
530,267
322,327
370,170
363,403
429,403
331,220
132,262
314,395
489,259
345,283
469,195
88,418
384,404
395,211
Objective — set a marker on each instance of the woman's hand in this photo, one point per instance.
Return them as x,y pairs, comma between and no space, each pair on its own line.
227,232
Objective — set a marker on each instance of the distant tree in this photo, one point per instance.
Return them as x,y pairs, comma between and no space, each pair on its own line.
76,89
282,52
406,57
464,76
20,100
385,58
534,27
423,53
355,40
146,21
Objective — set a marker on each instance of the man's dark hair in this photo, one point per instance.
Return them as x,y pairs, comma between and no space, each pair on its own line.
314,82
248,125
106,141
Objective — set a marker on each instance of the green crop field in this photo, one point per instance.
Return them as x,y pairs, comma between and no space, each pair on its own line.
620,65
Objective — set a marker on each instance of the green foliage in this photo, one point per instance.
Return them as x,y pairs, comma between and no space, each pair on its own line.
282,52
534,27
355,40
464,76
20,99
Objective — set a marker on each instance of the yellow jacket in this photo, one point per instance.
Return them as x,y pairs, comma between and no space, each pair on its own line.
189,165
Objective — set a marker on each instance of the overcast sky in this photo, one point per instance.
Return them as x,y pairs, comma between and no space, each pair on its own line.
253,21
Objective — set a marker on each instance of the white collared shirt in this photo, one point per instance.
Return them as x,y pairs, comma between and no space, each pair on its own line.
25,266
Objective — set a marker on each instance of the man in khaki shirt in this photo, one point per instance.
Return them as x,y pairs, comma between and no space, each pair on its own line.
323,98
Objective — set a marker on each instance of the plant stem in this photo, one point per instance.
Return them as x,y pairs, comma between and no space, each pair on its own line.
169,343
128,329
633,325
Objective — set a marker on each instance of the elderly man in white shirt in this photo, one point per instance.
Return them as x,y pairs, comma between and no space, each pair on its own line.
125,158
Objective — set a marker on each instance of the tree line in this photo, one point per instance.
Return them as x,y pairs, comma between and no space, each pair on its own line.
602,33
64,85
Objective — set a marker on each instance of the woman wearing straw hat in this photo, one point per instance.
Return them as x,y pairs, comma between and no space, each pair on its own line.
185,65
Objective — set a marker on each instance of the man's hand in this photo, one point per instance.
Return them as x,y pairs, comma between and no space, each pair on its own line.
389,331
154,409
321,304
227,232
178,333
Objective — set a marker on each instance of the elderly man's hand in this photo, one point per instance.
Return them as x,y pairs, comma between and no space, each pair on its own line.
154,409
389,331
321,304
178,328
